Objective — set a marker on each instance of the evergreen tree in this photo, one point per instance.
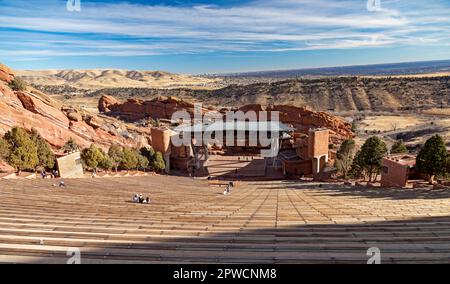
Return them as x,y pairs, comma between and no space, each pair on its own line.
130,159
368,161
344,157
149,153
158,163
105,163
92,157
142,162
23,154
45,154
115,153
5,149
398,147
432,158
357,170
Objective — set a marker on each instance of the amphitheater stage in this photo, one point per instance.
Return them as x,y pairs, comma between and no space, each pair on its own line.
236,166
190,222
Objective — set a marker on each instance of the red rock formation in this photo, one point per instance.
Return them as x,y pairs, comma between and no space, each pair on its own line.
5,168
135,109
6,74
301,118
106,102
304,119
32,109
72,113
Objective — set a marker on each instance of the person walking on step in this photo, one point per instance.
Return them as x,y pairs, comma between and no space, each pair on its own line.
227,190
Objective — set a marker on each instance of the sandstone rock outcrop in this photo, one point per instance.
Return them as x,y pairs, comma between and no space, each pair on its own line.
5,168
106,102
72,113
6,74
135,109
32,109
302,119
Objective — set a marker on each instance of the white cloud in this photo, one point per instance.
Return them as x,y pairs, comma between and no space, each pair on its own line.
125,29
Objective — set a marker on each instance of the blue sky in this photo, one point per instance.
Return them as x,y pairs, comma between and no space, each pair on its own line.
200,36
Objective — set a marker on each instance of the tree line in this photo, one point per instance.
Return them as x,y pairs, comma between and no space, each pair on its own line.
122,158
29,151
433,159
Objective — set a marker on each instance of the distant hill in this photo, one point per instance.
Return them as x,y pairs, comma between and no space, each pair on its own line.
408,68
324,94
387,87
114,78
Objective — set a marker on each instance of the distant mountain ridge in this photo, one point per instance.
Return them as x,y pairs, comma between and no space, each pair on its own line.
406,68
113,78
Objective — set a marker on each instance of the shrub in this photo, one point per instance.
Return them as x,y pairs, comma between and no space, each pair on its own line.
70,146
23,152
18,85
354,126
398,147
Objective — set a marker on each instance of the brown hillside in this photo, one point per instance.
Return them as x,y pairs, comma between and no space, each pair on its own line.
327,94
57,123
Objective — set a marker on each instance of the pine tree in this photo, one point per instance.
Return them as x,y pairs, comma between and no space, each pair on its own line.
130,159
368,161
92,157
432,158
105,163
23,154
149,153
45,154
344,157
158,163
398,147
5,149
115,152
142,162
